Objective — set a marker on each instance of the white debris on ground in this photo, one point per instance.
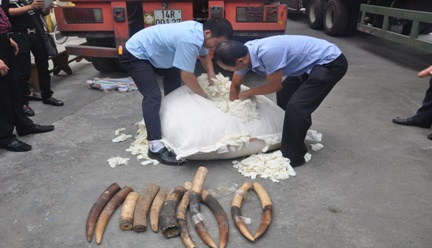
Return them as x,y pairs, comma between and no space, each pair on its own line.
218,93
140,146
316,147
117,161
121,136
266,165
313,135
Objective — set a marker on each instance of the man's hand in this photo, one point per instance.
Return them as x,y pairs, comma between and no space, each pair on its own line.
14,46
36,4
190,80
425,72
4,69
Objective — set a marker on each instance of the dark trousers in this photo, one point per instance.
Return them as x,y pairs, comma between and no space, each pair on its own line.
300,97
144,76
11,111
32,43
424,113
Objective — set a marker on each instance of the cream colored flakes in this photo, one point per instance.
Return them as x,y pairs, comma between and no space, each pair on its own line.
116,161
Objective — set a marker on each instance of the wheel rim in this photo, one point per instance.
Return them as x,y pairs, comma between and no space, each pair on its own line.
329,19
312,13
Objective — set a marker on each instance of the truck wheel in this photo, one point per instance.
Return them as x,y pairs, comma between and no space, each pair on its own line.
315,13
104,64
335,18
353,17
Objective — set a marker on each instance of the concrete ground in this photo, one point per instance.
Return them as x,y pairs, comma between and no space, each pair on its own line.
369,187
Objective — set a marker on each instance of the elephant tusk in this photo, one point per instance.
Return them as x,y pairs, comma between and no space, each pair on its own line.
182,222
127,211
267,209
143,207
168,217
98,207
236,210
194,206
108,210
156,207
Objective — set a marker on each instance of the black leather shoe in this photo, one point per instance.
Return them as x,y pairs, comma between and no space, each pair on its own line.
34,96
52,101
36,129
410,122
165,157
16,146
28,111
430,136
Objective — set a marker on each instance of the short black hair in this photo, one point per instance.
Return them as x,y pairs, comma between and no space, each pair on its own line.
229,52
219,27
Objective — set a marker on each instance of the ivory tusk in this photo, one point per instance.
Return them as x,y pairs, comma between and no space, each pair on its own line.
98,207
127,211
143,206
168,220
182,222
156,207
194,206
267,209
236,210
108,210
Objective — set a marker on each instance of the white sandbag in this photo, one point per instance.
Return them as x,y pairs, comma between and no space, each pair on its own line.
197,128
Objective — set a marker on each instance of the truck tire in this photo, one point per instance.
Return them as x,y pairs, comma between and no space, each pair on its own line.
103,64
315,13
353,17
335,18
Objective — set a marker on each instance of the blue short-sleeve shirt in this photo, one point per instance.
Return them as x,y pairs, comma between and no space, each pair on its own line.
294,54
170,45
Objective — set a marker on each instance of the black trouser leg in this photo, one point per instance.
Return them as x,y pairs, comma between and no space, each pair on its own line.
171,79
144,77
24,65
424,113
303,102
41,61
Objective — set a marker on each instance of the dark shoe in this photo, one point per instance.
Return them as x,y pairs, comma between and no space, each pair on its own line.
16,146
410,122
28,111
296,163
165,157
430,136
36,129
52,101
34,96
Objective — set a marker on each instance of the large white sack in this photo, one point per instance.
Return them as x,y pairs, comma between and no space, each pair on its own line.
195,128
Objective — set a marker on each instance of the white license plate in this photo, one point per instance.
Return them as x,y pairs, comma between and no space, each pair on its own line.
167,16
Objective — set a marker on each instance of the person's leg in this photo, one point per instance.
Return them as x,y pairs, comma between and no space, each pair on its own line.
24,65
424,113
289,86
171,80
303,103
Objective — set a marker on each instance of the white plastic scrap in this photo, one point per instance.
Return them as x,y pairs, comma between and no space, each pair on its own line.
121,136
140,146
271,166
316,147
313,135
114,161
218,93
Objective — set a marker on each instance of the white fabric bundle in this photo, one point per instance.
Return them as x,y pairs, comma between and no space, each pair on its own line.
215,128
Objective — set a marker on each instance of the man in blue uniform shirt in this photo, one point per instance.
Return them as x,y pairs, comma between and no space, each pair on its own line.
312,68
170,50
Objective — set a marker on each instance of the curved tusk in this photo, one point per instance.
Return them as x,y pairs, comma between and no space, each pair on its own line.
236,210
108,210
143,207
168,217
220,215
127,211
156,207
98,207
194,206
267,209
182,222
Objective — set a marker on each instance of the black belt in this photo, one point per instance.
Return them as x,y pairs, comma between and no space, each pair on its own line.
28,31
